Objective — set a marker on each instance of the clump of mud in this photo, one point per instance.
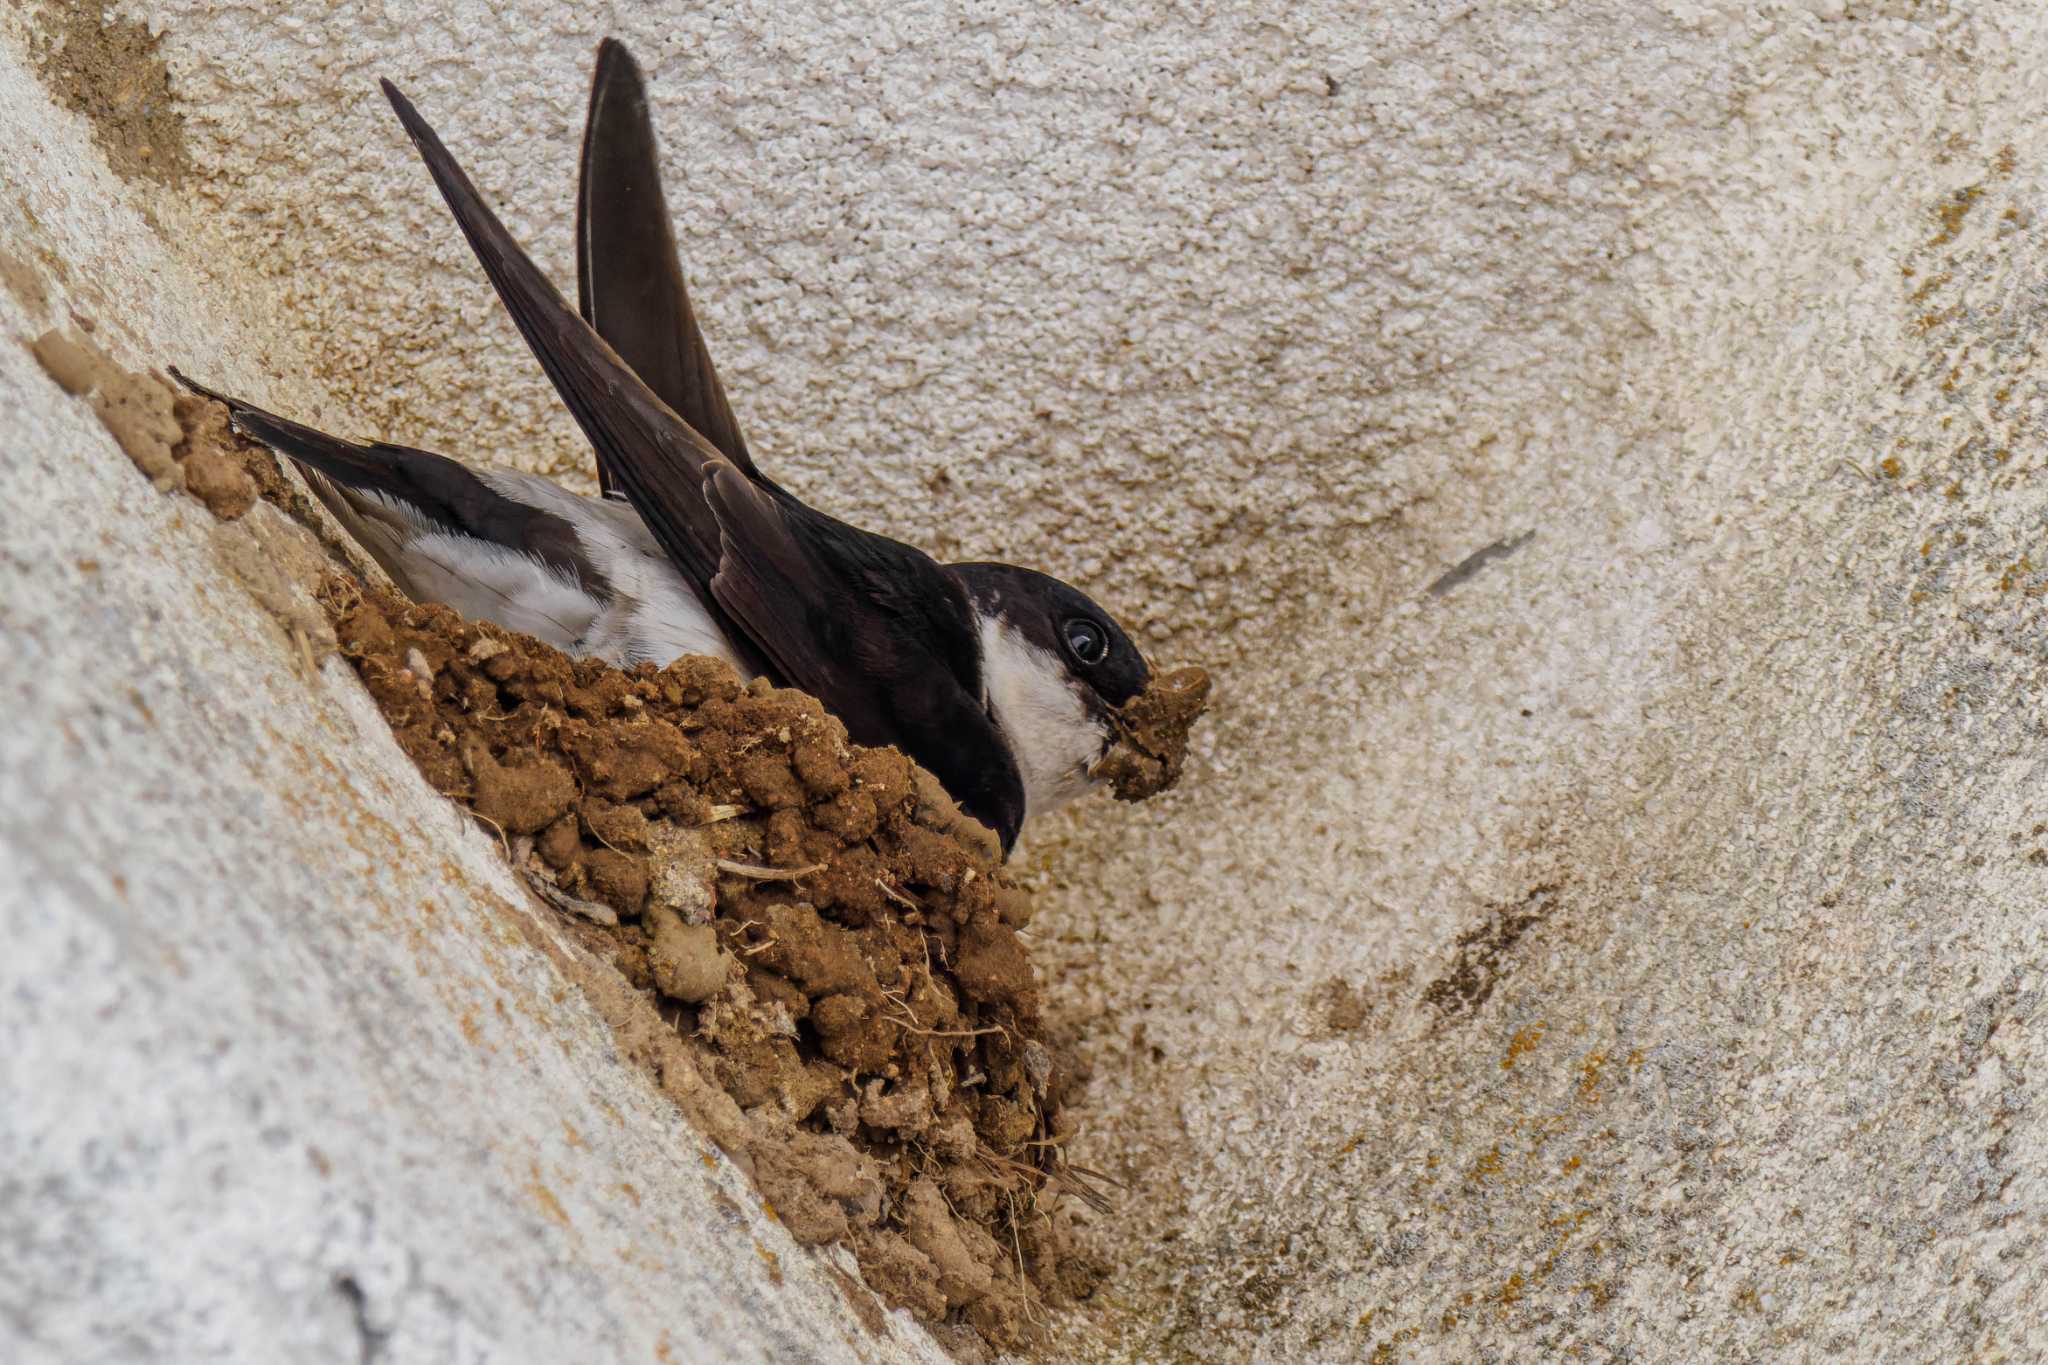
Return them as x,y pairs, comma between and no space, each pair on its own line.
178,440
111,71
1153,732
805,910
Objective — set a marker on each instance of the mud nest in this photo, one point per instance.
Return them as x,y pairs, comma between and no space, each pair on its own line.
818,918
816,953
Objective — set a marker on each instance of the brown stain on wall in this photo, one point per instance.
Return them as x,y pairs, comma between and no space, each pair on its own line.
111,71
1482,954
23,284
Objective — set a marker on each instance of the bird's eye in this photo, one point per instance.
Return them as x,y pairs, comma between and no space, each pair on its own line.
1088,641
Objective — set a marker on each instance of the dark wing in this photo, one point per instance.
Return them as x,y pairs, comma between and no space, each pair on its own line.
658,460
436,490
628,276
874,629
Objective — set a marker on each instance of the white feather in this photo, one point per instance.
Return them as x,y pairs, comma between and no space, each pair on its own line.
494,583
654,615
1033,698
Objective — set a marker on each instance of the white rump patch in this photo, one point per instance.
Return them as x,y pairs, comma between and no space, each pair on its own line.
490,582
655,615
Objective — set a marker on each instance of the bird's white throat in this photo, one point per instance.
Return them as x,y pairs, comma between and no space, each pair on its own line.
1035,702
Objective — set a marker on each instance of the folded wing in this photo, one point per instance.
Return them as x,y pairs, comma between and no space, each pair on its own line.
629,278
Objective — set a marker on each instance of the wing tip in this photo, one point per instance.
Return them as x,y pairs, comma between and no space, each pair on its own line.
471,212
614,58
616,79
415,127
195,386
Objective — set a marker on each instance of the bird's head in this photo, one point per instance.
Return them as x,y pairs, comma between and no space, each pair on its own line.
1056,671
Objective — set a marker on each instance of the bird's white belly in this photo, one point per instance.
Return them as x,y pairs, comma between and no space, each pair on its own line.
661,623
652,615
492,583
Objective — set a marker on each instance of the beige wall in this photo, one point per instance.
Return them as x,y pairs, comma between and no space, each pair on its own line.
1255,325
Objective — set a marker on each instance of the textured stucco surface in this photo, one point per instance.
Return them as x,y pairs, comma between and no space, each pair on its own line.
1255,325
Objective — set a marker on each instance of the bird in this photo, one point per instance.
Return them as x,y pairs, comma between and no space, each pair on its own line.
1003,681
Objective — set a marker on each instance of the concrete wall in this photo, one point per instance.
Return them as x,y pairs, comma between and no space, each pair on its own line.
1631,948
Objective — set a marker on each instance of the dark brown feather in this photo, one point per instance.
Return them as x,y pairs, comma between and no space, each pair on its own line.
442,491
659,461
628,276
873,628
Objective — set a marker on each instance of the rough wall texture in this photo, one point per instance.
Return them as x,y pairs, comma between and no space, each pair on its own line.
1629,948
